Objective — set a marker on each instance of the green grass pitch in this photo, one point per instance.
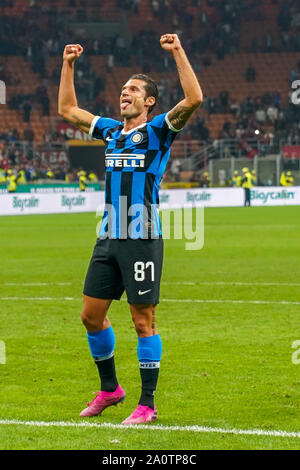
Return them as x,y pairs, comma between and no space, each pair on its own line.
225,364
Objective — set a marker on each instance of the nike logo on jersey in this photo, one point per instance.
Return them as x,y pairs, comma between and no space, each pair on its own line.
144,292
109,139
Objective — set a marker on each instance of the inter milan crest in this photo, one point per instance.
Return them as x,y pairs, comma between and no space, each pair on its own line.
137,138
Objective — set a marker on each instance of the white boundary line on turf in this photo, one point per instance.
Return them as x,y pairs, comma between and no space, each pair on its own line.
200,301
33,284
196,428
221,301
233,283
40,299
177,283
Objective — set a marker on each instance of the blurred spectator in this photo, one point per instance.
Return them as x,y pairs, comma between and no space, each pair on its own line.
272,113
250,74
269,43
260,116
223,97
211,105
205,181
276,99
45,102
295,73
26,111
175,169
49,173
284,17
28,134
92,177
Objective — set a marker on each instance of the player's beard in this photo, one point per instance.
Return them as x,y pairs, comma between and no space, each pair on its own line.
130,113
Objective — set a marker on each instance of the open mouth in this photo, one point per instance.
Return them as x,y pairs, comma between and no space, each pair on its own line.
125,103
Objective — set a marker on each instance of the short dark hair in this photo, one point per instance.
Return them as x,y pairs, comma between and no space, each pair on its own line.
150,87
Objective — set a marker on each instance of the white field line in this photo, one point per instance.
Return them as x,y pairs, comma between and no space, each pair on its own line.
195,429
177,283
200,301
33,284
40,299
229,301
233,283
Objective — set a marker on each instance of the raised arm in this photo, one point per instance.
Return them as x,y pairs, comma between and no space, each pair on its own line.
67,102
193,96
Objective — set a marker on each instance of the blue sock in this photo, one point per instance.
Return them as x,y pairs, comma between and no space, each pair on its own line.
149,354
102,345
149,350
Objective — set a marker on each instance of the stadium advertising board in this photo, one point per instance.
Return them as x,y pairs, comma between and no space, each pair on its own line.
21,204
49,189
229,197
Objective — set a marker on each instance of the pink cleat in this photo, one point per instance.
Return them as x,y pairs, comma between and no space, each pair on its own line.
102,401
142,414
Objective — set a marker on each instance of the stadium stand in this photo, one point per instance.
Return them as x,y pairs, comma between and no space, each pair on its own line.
245,53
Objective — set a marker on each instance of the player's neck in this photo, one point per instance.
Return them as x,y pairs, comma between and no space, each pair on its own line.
132,123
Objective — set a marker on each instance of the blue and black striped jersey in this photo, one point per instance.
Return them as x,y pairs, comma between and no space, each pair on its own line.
135,162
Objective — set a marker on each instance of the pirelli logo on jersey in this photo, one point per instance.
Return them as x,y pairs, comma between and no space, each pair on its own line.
125,160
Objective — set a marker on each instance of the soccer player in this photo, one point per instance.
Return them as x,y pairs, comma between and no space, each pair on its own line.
129,250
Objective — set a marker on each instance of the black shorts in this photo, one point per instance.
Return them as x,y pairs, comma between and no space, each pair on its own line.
129,265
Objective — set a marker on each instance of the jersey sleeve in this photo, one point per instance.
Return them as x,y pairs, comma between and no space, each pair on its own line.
100,126
168,133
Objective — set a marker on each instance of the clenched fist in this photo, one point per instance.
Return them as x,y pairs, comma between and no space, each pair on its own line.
170,42
72,52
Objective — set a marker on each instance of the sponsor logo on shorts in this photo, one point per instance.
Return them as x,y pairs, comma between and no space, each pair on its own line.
144,292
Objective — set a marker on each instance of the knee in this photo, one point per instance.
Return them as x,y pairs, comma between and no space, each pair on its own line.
93,314
144,320
88,319
92,322
141,326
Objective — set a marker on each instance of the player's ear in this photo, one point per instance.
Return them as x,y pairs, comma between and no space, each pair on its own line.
150,101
